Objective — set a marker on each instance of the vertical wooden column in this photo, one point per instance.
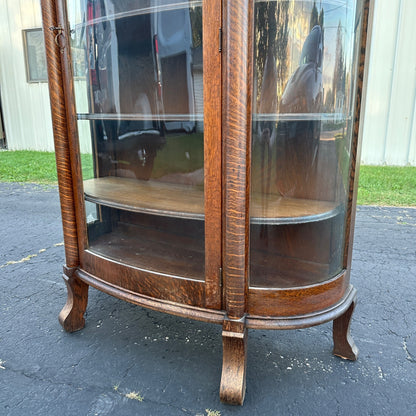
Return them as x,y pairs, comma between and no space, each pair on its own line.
361,84
212,150
71,316
343,343
237,85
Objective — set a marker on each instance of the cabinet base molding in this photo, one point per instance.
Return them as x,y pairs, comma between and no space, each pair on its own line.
234,334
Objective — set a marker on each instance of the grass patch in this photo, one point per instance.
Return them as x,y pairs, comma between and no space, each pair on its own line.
34,167
387,185
379,185
27,166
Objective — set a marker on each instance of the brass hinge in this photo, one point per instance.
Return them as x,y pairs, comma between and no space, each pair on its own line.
59,30
221,276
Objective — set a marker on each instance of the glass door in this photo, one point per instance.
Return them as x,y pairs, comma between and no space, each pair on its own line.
304,75
139,87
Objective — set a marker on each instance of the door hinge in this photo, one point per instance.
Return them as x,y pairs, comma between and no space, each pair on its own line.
220,40
220,275
59,30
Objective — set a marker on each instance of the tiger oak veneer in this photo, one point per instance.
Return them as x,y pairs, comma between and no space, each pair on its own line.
207,155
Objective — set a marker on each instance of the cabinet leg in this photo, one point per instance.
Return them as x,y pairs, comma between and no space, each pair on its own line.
344,345
233,378
72,315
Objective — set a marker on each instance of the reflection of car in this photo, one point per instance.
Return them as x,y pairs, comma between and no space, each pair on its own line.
140,72
304,90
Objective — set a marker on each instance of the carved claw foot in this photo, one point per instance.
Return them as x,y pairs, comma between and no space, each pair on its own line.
72,315
344,345
233,378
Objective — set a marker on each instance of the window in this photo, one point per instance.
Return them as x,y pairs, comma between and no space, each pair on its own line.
35,55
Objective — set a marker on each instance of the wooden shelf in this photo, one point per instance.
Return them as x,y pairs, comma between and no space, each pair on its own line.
184,201
274,210
148,197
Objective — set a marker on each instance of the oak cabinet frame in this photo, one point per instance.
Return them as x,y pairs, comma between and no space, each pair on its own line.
227,206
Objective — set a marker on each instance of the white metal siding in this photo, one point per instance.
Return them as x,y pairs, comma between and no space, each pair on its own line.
26,108
390,118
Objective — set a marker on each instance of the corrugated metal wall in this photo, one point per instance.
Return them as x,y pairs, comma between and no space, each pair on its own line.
26,108
390,119
390,122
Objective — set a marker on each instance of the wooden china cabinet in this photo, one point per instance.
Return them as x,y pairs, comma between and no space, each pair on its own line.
207,156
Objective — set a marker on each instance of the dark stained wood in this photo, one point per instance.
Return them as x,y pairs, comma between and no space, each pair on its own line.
151,302
72,315
344,345
212,19
234,356
136,280
237,134
303,320
186,201
297,300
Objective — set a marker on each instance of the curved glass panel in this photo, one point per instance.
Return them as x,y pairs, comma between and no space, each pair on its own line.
139,99
304,56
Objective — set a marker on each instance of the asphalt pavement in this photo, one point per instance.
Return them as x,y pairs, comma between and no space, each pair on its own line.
132,361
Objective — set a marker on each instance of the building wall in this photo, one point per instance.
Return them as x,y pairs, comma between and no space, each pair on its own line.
390,119
389,135
25,106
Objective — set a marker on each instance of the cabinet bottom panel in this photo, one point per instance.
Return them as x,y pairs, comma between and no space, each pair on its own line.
157,244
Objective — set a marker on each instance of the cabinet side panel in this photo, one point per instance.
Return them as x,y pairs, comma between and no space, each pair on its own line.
212,137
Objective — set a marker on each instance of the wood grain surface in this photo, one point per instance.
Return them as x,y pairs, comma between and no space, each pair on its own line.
237,135
212,66
60,132
297,300
183,201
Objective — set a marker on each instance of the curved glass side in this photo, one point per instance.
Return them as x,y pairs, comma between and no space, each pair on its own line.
139,98
304,60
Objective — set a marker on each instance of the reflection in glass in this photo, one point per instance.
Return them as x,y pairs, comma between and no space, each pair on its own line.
302,129
141,94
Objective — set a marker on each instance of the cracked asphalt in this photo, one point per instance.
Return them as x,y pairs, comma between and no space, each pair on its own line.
132,361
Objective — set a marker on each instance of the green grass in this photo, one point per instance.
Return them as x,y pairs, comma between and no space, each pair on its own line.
27,166
379,185
387,185
31,166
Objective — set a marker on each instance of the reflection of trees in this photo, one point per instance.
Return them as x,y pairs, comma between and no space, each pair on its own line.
271,39
316,19
336,97
196,22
